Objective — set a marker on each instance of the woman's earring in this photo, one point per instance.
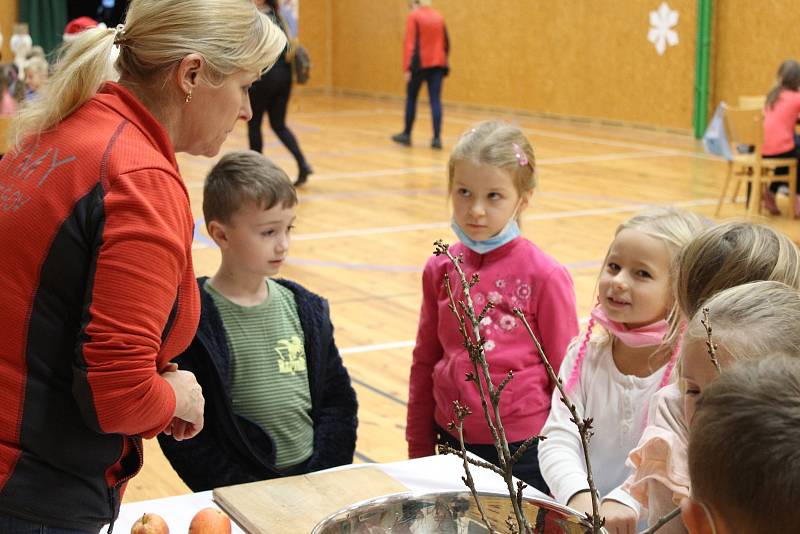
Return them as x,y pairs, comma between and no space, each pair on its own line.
188,97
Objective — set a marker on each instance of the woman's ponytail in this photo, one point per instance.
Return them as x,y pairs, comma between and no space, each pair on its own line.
80,71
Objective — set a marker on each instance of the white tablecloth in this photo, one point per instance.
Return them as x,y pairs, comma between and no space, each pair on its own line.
420,475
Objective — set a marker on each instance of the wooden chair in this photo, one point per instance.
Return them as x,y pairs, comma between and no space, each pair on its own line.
745,129
752,102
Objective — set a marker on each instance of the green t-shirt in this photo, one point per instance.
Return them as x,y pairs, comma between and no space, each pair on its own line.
269,379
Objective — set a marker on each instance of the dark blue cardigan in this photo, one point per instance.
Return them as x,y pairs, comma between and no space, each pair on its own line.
232,449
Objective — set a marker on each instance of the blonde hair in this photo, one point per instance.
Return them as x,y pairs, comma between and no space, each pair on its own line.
37,64
500,145
675,228
732,254
743,457
752,320
231,35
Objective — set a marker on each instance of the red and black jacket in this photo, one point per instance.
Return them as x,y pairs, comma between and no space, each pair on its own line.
426,44
97,294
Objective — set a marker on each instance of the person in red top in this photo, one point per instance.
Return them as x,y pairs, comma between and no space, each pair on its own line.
98,289
425,53
781,114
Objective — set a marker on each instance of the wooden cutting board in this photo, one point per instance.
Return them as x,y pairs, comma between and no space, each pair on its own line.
294,505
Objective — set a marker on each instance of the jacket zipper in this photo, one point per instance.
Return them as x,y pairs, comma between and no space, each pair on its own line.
111,499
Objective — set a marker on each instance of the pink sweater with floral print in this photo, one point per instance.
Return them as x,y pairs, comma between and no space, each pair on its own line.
517,274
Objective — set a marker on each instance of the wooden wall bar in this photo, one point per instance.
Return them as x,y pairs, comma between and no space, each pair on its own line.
9,12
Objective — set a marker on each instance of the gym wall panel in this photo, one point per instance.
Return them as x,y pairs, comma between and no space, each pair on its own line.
368,45
575,58
751,39
578,58
9,13
316,35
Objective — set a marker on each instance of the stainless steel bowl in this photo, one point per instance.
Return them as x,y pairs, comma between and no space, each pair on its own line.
447,512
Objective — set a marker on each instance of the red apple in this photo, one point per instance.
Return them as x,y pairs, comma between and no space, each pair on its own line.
210,521
150,524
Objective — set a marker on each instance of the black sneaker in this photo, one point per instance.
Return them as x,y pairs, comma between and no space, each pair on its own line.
302,176
436,143
402,138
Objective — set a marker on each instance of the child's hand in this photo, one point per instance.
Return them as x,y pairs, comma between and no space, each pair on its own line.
620,519
582,502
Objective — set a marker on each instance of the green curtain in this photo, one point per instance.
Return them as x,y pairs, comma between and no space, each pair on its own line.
46,20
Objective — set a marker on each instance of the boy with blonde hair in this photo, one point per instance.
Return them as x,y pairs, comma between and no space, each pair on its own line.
744,462
278,398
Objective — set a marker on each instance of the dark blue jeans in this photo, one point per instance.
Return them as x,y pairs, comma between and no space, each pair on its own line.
526,469
13,525
433,77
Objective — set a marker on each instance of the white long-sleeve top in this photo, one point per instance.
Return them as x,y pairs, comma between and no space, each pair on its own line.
618,404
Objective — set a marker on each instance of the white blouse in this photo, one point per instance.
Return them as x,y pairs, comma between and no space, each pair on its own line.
618,405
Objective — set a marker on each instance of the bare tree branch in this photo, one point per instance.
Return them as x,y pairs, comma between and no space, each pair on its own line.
711,347
469,326
584,425
663,521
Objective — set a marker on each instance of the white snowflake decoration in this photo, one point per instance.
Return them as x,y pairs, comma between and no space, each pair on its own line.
661,33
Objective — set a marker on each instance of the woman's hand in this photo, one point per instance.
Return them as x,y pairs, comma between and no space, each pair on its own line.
187,420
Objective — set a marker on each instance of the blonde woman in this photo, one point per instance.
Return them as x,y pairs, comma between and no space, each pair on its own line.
96,229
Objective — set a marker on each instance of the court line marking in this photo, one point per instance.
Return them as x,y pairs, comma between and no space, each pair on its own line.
358,232
555,215
544,162
598,141
363,457
379,391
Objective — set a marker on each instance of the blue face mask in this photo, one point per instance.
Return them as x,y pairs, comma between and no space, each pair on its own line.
509,232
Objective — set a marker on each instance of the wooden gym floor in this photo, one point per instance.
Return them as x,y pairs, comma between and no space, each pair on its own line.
369,215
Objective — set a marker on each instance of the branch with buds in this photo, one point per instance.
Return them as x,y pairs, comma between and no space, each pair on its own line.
469,327
711,347
584,425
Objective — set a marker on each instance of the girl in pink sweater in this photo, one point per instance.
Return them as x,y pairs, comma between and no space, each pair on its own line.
781,114
491,180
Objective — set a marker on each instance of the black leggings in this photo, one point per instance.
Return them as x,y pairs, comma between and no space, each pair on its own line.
271,94
780,171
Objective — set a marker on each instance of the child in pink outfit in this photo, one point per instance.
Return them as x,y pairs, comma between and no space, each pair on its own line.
491,180
781,114
626,356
